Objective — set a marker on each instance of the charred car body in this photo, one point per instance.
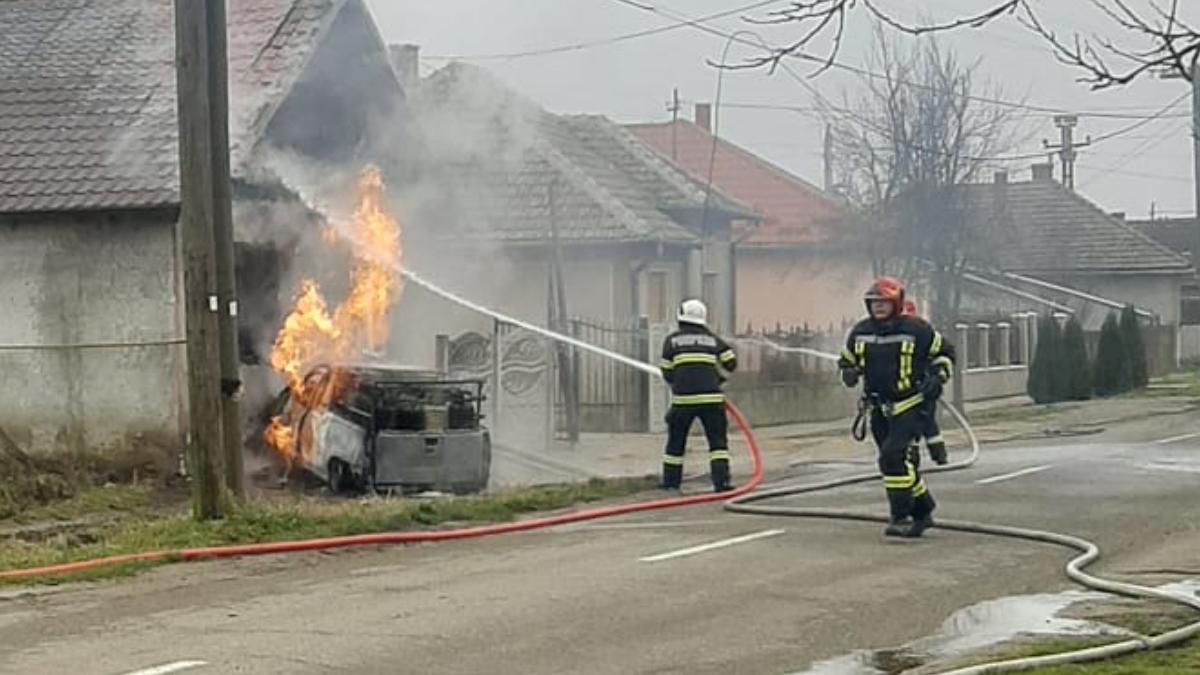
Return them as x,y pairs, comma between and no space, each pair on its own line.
380,428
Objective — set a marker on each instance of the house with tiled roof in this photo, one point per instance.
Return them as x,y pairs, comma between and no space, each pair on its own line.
89,193
636,235
1054,242
794,264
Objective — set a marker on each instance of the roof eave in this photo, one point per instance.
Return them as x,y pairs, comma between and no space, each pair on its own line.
1151,271
167,208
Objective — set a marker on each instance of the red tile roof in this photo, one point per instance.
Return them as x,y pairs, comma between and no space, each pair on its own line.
794,211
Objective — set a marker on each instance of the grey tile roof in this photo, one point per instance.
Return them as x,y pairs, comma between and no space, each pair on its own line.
1055,230
87,95
505,155
1177,234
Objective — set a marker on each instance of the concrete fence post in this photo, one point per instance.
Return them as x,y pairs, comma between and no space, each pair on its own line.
1031,324
985,344
1024,338
960,366
1004,357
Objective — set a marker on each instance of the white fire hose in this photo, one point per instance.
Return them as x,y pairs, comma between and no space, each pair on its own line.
1089,552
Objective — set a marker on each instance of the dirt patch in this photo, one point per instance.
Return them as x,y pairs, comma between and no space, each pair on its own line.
31,481
26,481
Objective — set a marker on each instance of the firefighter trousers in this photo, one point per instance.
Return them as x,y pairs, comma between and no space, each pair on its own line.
907,493
716,429
931,431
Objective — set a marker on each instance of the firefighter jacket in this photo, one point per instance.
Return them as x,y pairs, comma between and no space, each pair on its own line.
694,362
894,357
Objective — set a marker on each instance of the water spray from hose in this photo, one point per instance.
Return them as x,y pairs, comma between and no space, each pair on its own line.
745,500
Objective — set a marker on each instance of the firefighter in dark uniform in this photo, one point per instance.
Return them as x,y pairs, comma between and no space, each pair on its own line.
904,363
694,363
934,442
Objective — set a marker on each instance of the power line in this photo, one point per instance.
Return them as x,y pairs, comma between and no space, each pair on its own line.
699,24
1115,166
783,107
813,109
1137,125
732,37
603,42
1139,174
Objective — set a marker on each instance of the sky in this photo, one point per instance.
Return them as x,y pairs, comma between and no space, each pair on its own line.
1145,168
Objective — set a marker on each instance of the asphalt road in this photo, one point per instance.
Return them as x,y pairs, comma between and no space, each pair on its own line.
627,595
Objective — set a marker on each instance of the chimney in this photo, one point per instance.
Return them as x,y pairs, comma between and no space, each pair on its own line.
704,116
1043,172
406,61
1000,193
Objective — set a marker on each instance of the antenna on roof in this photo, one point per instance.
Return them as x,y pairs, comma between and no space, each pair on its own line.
674,107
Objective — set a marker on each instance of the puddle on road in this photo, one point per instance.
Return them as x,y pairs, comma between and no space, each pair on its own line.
983,625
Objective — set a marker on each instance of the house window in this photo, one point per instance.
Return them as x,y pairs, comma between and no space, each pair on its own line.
657,306
1189,305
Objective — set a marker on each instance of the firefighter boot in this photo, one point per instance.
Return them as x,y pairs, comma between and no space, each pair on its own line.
719,470
672,476
923,507
900,503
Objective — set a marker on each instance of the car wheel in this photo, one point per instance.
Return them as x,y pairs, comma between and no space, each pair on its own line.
340,480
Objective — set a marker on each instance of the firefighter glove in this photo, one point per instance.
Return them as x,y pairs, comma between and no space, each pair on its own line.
850,377
931,387
938,455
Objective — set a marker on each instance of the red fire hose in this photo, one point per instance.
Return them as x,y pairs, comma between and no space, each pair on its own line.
414,537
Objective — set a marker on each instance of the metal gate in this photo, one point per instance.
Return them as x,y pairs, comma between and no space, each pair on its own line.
610,396
519,409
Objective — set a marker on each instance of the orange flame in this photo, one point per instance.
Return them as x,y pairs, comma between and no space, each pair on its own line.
313,336
280,437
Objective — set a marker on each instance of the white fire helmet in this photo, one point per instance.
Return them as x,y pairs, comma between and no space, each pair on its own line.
693,311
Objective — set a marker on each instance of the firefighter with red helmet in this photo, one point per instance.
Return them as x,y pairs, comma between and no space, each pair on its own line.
903,363
695,363
934,442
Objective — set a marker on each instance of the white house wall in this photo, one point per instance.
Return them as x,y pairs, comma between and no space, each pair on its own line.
86,281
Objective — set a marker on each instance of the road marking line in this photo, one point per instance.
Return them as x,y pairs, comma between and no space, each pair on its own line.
169,668
1176,468
711,546
1015,474
1176,439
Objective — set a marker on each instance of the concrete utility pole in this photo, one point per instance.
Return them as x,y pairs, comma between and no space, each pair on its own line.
222,199
201,302
1175,75
1196,156
1067,147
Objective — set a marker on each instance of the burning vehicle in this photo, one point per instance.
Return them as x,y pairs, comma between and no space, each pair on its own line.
369,426
373,427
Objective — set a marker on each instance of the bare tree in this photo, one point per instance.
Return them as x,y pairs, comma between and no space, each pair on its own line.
906,147
1155,37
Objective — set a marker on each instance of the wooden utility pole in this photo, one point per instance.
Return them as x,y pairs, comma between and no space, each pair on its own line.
201,303
222,200
567,373
827,157
674,107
